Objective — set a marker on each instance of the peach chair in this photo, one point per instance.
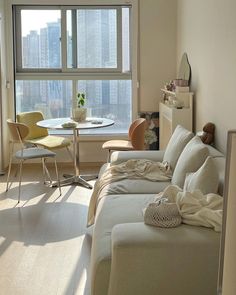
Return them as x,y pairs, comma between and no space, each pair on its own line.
135,142
39,136
18,133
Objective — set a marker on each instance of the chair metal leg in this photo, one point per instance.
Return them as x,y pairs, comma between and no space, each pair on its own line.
9,167
20,177
17,168
8,174
47,172
58,180
44,172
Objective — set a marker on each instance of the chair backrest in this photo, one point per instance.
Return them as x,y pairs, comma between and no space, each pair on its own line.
18,131
136,133
30,119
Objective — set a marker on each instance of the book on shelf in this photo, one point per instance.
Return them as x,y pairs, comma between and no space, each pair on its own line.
182,89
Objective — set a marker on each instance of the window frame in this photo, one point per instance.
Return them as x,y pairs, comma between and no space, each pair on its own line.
64,69
76,75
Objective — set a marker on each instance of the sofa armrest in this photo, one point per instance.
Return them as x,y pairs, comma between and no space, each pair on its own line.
122,156
156,261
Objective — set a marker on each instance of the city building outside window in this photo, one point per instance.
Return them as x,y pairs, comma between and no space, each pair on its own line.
64,50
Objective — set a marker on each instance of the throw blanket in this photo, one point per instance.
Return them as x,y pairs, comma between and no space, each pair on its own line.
196,208
131,169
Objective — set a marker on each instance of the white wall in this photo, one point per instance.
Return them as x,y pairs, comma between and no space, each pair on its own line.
157,55
207,32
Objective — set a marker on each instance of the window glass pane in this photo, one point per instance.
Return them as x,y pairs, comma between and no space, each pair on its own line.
97,38
125,40
109,99
41,33
53,98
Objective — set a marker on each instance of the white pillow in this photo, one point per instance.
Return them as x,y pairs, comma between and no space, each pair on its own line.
192,157
176,144
206,179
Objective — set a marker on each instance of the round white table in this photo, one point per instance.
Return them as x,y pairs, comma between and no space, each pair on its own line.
90,123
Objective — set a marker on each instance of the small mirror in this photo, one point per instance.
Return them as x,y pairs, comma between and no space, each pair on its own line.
184,69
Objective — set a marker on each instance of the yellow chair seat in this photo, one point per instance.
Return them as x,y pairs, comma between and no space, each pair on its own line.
38,135
51,142
121,145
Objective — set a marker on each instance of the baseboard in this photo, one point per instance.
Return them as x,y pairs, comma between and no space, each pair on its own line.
63,164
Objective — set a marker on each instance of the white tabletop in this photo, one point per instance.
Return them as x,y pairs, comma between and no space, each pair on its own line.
90,123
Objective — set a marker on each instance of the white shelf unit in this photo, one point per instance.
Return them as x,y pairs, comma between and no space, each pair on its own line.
171,116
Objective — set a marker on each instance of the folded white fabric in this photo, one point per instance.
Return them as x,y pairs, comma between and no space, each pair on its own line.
132,169
162,214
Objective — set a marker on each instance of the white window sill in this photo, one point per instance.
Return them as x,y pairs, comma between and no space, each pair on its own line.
96,137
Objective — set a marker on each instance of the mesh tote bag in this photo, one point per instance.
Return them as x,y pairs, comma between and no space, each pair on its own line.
162,214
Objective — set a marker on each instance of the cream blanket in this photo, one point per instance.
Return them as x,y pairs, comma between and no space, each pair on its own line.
196,208
131,169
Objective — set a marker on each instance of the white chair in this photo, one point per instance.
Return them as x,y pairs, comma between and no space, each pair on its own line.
19,132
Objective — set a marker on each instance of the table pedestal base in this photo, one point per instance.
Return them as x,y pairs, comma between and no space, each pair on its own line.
74,179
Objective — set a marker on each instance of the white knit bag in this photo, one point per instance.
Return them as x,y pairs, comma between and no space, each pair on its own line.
162,214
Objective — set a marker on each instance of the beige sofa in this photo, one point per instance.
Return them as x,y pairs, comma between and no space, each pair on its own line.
130,257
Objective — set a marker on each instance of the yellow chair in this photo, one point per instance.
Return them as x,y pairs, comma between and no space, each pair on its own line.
39,136
18,133
135,142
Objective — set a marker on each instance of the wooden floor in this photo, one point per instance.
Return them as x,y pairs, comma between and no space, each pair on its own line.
44,248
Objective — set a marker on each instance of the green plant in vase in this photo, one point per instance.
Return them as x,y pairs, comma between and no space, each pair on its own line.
81,98
80,113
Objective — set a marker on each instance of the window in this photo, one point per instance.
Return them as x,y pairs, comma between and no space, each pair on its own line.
40,40
64,50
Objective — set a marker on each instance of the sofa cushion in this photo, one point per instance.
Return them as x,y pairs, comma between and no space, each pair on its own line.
176,144
206,179
192,157
213,152
112,210
220,167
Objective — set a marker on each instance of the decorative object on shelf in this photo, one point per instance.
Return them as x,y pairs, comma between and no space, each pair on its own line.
184,69
151,135
178,85
180,82
170,86
176,110
207,135
79,113
182,88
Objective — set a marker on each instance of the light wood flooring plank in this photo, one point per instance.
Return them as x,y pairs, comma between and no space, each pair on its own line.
44,248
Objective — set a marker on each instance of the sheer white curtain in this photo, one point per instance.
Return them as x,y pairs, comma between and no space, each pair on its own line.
4,145
1,110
